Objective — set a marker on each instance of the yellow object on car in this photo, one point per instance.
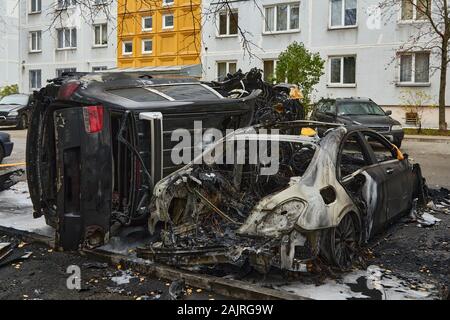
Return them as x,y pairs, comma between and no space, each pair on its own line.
309,132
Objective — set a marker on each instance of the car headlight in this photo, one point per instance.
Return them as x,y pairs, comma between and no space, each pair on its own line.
13,114
396,127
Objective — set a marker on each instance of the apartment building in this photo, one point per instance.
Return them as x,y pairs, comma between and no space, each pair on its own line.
9,39
159,34
62,35
360,45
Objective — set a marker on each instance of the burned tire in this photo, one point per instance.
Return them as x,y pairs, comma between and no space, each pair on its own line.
339,245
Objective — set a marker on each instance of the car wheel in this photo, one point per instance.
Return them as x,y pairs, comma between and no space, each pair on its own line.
340,243
23,122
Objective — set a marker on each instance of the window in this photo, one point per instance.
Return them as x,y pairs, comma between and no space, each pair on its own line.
67,38
127,48
228,23
64,4
168,2
168,21
147,46
269,70
99,68
343,70
415,10
99,2
283,17
35,41
59,72
35,6
352,156
100,35
35,79
343,13
380,148
147,23
225,67
415,67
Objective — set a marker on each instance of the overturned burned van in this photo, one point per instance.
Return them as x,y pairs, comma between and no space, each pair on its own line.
329,194
97,144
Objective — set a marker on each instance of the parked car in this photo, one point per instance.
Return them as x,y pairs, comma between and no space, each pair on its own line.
15,110
6,146
359,111
330,194
98,142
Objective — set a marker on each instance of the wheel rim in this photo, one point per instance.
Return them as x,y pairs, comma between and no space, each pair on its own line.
345,242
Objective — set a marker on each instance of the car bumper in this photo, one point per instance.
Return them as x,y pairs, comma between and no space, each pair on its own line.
394,136
9,121
8,147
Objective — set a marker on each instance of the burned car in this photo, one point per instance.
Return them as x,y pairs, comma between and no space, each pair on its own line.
328,195
98,142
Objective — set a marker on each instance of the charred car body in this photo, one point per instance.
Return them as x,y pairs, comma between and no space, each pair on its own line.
98,143
330,194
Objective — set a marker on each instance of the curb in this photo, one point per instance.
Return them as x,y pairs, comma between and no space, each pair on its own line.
427,139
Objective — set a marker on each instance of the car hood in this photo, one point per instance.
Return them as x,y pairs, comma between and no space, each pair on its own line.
368,120
9,107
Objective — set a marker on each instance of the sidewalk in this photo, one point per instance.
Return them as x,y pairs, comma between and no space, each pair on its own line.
425,138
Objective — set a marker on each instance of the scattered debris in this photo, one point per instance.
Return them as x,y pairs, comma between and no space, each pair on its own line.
95,265
124,277
177,289
8,179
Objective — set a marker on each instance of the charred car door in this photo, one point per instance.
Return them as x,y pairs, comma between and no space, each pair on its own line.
394,173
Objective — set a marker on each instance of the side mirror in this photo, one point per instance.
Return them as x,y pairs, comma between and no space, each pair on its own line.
388,112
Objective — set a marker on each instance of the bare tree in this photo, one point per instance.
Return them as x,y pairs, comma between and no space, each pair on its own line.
431,23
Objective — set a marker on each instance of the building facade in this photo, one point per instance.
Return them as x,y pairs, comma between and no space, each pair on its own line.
9,43
361,47
155,34
58,36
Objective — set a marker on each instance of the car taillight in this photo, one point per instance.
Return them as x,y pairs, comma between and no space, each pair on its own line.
93,118
67,90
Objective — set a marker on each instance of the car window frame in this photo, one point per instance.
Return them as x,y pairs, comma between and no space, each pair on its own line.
366,154
383,141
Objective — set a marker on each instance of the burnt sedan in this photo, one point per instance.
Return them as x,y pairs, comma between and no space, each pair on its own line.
98,143
328,195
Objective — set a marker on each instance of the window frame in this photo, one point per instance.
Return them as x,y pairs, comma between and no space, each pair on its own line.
101,25
39,38
341,84
275,62
71,29
99,68
413,82
365,152
30,11
30,79
60,71
342,26
143,46
144,29
227,34
227,62
65,4
164,26
275,6
123,48
414,17
168,4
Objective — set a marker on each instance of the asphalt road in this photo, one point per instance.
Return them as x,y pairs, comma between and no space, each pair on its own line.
434,157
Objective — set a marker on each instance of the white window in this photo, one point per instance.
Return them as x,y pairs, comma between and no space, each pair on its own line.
168,21
415,10
343,13
228,23
35,6
100,34
269,69
64,4
99,68
59,72
225,67
35,41
414,67
127,48
282,17
35,79
147,46
147,23
168,2
67,38
342,70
